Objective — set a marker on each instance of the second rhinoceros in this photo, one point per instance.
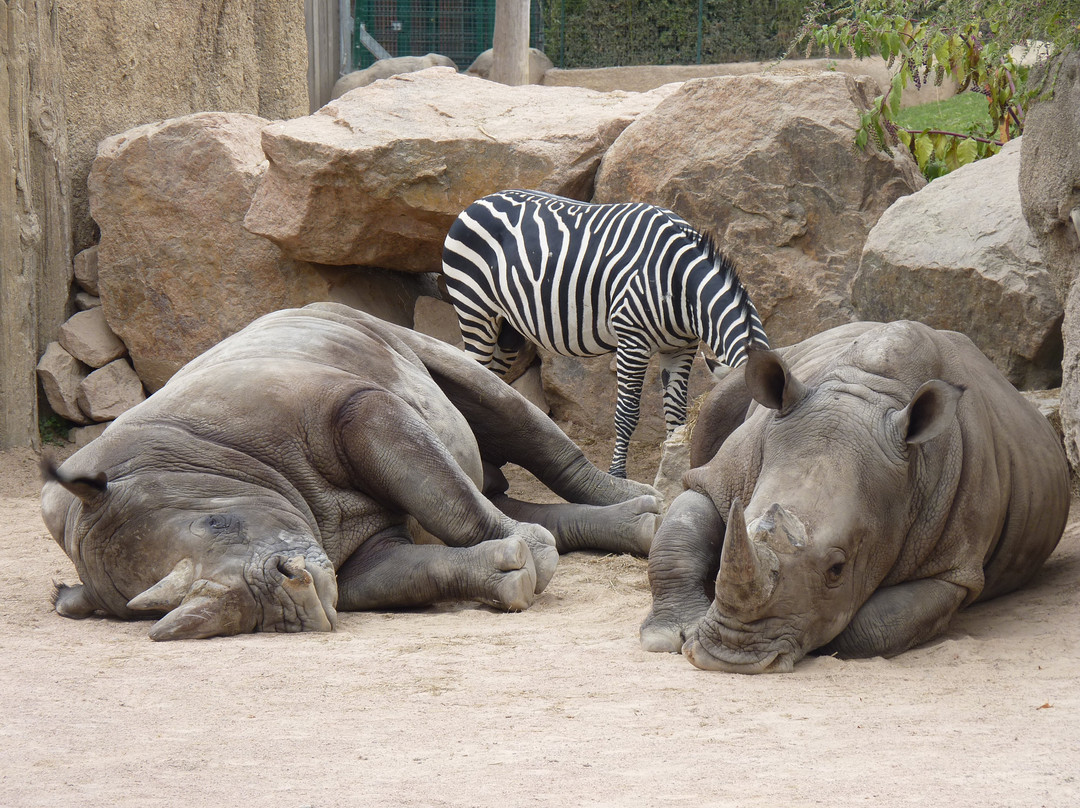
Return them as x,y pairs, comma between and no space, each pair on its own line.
863,485
270,484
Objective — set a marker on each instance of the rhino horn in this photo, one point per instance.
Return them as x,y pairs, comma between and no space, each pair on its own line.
91,490
169,592
745,582
209,609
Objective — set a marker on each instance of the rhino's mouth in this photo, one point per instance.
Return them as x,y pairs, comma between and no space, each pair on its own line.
720,645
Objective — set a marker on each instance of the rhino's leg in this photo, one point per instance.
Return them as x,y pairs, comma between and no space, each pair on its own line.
683,563
625,527
509,429
897,618
397,458
390,572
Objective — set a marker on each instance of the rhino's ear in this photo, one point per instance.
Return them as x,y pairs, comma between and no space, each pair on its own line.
770,382
930,412
210,609
91,490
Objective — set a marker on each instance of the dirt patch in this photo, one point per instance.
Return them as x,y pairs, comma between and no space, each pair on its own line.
464,706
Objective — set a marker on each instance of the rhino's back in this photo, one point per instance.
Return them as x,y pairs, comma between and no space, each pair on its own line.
1030,462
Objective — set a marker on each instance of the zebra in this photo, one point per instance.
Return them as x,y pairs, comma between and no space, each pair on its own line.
585,279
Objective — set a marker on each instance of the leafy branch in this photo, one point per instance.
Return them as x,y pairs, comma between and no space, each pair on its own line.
929,40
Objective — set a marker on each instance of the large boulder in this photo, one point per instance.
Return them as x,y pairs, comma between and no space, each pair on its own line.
377,177
126,62
385,68
1050,170
177,271
1050,197
582,392
767,164
958,255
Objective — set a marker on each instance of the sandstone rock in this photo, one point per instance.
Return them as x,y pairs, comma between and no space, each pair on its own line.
88,338
126,62
539,64
582,392
767,164
81,436
178,271
61,374
674,463
85,300
531,385
958,255
1050,170
385,68
377,177
438,319
1050,196
110,391
86,270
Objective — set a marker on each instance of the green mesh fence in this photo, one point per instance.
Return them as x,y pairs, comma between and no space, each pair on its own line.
583,33
460,29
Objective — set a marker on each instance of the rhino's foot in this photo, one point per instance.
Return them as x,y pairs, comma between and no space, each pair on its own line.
663,634
545,556
627,527
72,601
631,525
507,574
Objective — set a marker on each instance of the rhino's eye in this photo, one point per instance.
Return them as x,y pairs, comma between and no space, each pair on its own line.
835,572
216,522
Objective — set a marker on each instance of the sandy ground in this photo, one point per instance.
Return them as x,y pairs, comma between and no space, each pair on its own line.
556,706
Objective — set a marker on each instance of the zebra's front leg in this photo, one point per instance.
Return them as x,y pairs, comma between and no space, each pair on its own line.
631,362
675,378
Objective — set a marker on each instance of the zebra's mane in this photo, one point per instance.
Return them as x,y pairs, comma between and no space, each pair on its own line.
725,266
707,244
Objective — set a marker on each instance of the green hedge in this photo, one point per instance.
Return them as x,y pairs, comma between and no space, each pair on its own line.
609,33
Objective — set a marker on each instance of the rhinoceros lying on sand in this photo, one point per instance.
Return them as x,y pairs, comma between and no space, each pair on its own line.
268,485
890,475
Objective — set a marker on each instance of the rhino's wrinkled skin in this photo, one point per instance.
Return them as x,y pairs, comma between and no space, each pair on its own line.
273,481
857,489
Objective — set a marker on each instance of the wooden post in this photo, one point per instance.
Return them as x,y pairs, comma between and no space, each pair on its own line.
510,50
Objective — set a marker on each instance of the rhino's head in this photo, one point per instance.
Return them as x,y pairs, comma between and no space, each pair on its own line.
236,561
843,479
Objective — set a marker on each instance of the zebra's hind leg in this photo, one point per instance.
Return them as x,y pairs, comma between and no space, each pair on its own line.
675,377
631,362
481,338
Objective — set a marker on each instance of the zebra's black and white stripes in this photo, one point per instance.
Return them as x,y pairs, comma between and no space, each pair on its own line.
586,279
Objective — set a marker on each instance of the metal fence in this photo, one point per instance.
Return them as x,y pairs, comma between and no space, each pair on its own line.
581,33
460,29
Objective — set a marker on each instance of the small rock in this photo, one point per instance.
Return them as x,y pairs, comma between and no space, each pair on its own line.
61,374
674,463
82,435
86,270
110,391
88,338
85,301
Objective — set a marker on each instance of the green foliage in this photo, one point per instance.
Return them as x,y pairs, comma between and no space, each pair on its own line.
606,33
970,41
53,429
965,112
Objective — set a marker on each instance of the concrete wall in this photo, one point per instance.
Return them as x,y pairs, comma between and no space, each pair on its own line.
76,72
